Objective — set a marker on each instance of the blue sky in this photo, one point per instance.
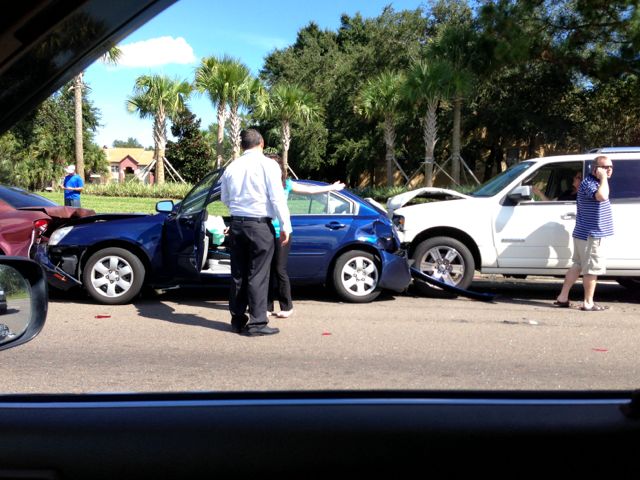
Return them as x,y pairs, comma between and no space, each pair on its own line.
174,42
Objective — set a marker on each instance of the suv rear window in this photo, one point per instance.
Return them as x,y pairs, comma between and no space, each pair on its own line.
625,181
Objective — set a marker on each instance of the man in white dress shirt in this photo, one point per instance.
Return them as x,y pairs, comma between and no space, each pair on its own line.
251,187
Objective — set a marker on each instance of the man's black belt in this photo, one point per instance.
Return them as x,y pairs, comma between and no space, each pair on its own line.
251,219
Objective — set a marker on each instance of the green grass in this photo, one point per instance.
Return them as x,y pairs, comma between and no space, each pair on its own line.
103,204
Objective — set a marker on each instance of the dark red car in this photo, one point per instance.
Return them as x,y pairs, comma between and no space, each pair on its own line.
26,218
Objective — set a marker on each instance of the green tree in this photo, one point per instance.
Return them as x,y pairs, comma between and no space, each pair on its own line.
288,104
456,44
190,154
160,98
379,99
43,141
333,66
78,87
128,143
226,81
425,86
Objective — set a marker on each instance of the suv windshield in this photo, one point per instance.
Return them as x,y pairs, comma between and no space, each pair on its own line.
498,183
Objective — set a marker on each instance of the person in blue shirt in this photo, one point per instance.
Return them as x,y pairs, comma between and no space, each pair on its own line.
72,186
594,223
279,284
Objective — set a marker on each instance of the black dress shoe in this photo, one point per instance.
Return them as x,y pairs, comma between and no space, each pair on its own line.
237,328
260,331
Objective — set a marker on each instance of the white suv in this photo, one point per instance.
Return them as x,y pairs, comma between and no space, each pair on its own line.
518,223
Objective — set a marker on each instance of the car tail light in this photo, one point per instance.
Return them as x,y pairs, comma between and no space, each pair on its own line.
40,226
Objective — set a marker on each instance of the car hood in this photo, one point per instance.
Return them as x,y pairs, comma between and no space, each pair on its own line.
400,200
60,212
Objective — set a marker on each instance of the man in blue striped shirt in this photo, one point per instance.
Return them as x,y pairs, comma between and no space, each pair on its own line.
593,223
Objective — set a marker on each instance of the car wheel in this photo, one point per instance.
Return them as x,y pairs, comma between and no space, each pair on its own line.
113,276
356,276
632,283
445,259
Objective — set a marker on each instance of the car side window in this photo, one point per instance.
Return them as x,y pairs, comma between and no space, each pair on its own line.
556,182
195,200
326,203
307,204
625,181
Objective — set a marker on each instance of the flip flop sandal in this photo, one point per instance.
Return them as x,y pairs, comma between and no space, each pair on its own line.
594,308
566,304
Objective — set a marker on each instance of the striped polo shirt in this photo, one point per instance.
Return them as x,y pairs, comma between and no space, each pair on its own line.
593,218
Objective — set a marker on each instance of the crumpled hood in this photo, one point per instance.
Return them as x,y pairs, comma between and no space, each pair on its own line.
400,200
62,212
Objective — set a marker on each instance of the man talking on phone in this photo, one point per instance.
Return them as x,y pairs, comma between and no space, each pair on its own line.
594,223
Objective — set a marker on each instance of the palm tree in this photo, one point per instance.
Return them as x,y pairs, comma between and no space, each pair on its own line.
425,86
160,98
456,45
379,98
240,95
110,57
225,80
288,104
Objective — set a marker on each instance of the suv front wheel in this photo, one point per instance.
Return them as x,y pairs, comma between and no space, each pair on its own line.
445,259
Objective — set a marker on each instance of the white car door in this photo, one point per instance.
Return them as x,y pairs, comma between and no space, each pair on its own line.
535,234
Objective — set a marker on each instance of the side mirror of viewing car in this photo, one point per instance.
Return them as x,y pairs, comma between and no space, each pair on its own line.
164,206
24,303
520,193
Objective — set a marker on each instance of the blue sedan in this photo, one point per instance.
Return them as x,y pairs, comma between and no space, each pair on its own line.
339,240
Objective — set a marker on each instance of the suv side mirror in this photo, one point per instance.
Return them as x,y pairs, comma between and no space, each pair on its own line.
520,193
24,303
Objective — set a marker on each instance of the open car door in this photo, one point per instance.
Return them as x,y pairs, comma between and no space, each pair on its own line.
185,242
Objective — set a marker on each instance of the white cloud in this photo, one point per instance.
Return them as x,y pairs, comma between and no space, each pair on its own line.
156,52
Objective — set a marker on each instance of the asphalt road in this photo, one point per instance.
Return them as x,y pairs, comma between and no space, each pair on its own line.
181,341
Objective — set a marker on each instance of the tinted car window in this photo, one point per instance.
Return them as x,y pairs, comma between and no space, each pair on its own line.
625,181
18,198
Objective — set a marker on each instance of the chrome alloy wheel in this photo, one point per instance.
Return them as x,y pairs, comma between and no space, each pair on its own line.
444,263
360,276
112,276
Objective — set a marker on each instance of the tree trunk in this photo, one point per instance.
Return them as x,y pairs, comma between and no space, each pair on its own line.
220,144
430,137
455,143
77,93
160,140
234,120
390,141
286,143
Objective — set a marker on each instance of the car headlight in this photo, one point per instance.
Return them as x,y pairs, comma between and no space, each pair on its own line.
398,221
58,235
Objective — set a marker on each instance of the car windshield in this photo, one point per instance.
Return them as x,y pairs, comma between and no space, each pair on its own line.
499,182
19,198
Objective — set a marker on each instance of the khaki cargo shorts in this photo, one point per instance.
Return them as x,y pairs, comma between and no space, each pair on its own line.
590,256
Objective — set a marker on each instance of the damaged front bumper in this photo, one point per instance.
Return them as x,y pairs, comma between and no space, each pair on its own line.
396,274
56,276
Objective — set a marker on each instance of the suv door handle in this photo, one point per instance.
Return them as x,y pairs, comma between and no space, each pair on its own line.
568,216
335,225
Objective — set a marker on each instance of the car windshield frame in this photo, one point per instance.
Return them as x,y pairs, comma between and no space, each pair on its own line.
498,183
